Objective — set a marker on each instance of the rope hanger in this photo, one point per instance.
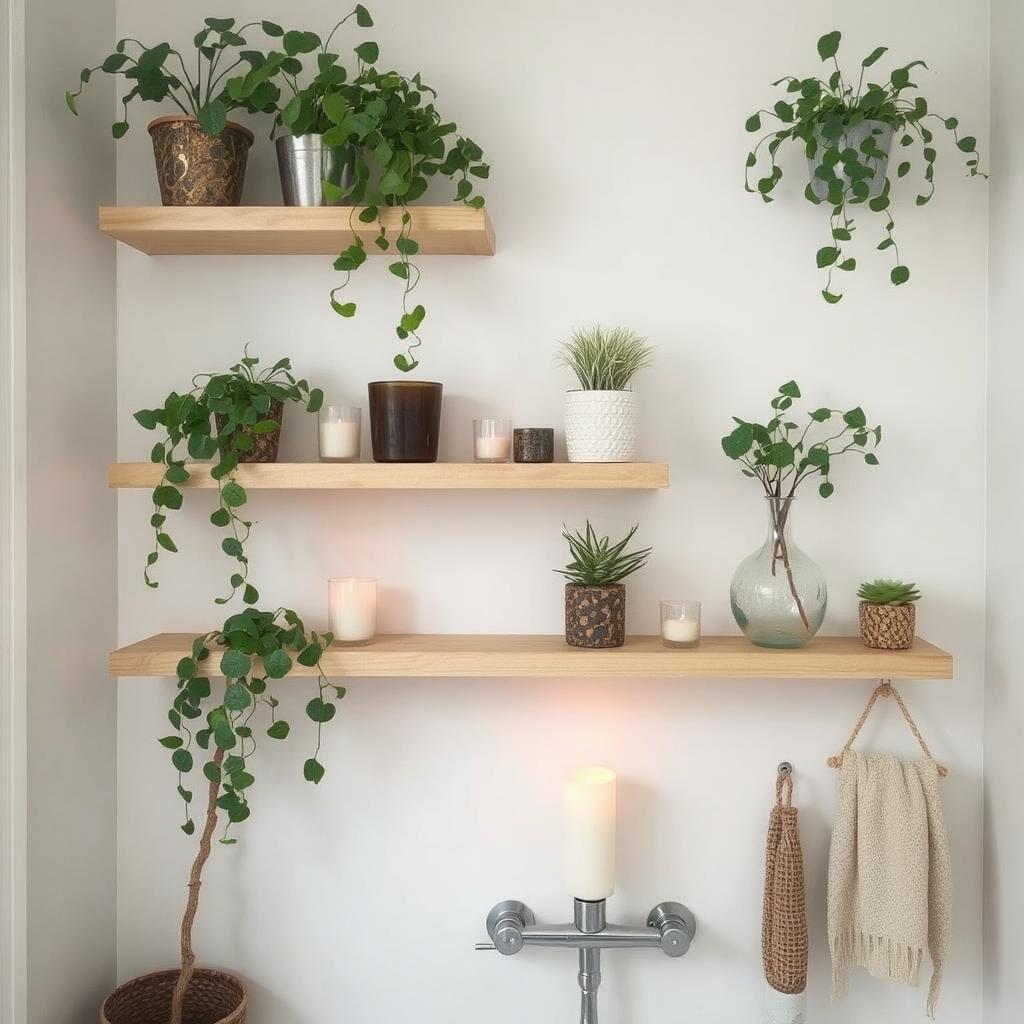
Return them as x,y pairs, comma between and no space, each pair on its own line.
885,689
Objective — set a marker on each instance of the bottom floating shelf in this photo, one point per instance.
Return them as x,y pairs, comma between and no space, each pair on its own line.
731,657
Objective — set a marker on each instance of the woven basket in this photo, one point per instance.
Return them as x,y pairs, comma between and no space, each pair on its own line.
888,627
213,997
264,446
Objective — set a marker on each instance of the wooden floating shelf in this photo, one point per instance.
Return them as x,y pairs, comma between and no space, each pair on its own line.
411,475
290,230
731,657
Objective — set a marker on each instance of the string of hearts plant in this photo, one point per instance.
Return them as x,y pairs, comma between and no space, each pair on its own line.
256,648
845,132
247,407
161,72
781,455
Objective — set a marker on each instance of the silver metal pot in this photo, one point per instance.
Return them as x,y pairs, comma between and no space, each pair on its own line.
305,163
852,139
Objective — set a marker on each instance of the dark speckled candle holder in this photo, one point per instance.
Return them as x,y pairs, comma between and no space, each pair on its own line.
533,444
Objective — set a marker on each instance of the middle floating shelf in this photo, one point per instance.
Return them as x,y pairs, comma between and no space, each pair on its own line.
481,655
410,475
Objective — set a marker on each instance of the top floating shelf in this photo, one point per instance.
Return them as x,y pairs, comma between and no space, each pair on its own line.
438,476
290,230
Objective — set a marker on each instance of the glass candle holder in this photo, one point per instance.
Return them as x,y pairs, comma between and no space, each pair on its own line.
680,623
352,608
339,433
492,440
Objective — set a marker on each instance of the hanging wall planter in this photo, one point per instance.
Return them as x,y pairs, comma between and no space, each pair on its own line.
405,420
846,128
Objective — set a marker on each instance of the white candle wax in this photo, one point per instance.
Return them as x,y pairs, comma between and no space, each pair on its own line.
681,631
352,609
589,802
339,439
493,447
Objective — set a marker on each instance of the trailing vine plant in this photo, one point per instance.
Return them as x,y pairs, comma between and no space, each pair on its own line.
782,455
246,406
161,72
845,131
256,648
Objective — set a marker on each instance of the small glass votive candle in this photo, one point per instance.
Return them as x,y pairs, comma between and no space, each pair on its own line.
492,440
339,433
352,608
680,623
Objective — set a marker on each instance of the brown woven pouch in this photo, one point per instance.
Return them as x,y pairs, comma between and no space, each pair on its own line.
784,921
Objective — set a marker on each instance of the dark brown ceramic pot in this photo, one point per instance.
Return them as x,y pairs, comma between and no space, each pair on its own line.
595,616
264,446
405,420
888,627
212,997
196,169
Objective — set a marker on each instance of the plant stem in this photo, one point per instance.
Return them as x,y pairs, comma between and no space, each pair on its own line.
188,957
780,516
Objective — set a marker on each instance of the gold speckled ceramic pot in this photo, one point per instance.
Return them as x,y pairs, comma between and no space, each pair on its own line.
196,169
595,616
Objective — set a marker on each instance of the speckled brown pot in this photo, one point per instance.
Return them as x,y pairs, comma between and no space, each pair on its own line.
195,169
889,627
595,616
212,997
264,446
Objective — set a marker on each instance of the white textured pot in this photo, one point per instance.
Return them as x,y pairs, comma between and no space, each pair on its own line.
601,426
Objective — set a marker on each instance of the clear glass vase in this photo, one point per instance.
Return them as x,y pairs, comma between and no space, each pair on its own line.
778,594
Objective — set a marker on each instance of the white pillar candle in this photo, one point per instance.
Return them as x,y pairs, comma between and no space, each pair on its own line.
493,449
352,608
589,802
681,631
339,439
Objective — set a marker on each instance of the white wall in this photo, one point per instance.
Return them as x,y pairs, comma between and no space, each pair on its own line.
1004,705
616,142
70,430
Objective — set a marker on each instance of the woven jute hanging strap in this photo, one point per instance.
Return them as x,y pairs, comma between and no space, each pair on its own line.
886,689
784,919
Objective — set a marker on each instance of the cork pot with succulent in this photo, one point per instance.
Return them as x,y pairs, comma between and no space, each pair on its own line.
887,614
595,597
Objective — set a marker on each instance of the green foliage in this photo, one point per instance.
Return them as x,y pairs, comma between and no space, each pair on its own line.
818,118
255,647
598,562
782,455
605,359
888,592
243,398
399,141
161,72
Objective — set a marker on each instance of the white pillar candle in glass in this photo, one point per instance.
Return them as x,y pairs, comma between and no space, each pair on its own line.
680,623
339,433
352,608
492,440
589,802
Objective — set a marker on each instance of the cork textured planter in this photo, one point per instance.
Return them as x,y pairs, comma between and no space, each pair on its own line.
213,997
888,627
264,446
196,169
595,616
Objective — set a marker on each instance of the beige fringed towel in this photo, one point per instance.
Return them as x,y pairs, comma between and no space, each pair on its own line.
889,886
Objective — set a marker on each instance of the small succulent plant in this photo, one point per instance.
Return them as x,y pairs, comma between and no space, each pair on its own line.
888,592
598,562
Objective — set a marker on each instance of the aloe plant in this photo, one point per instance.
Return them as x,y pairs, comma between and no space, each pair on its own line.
894,592
596,562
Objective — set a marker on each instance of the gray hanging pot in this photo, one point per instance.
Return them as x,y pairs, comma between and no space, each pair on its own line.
305,163
853,139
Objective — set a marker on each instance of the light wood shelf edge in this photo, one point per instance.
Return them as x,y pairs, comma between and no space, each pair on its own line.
290,230
510,656
398,476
